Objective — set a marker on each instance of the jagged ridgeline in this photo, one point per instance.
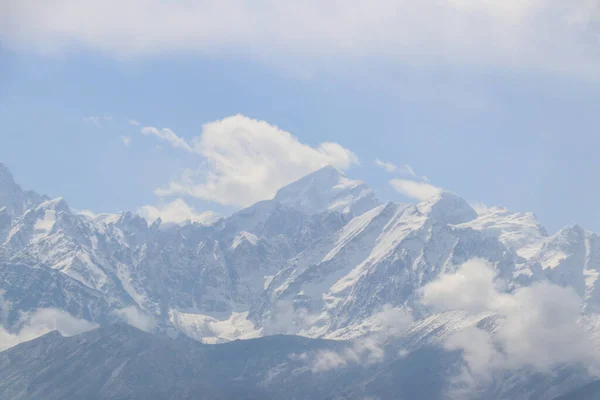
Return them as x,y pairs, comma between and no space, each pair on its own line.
324,259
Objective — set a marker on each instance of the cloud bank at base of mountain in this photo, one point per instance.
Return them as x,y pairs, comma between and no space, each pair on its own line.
537,326
392,325
42,321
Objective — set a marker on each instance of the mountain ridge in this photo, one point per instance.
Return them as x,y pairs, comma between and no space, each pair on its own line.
323,259
300,249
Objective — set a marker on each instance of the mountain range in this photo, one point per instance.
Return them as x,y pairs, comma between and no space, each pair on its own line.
340,274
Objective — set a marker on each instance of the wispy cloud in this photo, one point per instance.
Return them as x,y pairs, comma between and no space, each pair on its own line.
288,319
134,122
552,35
388,166
406,170
414,189
136,317
391,322
479,207
177,211
93,120
41,321
97,120
393,168
169,136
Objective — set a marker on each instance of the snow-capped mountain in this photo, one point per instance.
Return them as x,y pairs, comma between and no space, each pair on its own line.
321,259
381,257
327,189
13,200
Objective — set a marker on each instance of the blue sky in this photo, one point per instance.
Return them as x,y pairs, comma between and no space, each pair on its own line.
496,118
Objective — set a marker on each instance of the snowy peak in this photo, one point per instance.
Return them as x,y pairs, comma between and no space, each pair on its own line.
570,234
101,220
129,219
327,189
39,223
569,243
521,232
11,194
525,220
58,205
12,197
134,228
447,208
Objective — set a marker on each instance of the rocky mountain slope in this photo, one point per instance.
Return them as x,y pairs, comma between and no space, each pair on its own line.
590,391
324,246
121,362
323,259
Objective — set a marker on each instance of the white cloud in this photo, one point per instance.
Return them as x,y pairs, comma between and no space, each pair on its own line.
479,353
169,136
94,120
126,140
42,321
406,170
391,322
136,317
388,166
176,212
553,35
393,168
363,351
133,122
244,160
415,190
326,360
536,326
470,288
287,319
